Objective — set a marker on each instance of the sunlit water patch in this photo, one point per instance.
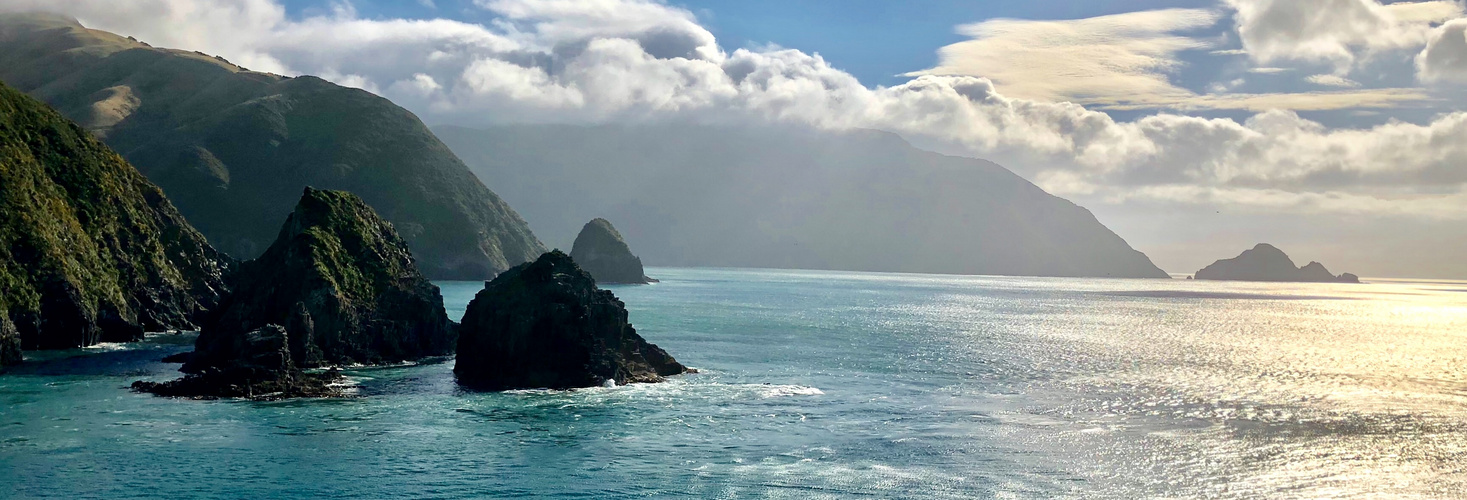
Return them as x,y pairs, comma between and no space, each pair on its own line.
818,384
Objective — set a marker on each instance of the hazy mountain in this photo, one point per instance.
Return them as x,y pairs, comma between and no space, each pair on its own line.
90,251
687,195
233,148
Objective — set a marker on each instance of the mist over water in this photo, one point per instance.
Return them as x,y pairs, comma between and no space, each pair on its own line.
820,384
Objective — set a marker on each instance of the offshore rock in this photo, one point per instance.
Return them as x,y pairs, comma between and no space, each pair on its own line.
1265,262
545,325
343,285
90,251
600,250
261,368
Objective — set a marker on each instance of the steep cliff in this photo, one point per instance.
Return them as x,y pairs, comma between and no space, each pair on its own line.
90,251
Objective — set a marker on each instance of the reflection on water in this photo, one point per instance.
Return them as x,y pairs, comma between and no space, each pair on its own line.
820,384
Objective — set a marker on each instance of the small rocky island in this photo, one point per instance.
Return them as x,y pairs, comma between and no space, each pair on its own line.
1265,262
338,287
601,251
544,324
90,251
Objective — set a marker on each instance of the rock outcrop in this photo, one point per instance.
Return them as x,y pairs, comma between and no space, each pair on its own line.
343,285
90,251
9,342
600,250
233,148
545,325
260,367
1265,262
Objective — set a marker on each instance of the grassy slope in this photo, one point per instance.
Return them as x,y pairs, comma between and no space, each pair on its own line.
73,212
233,148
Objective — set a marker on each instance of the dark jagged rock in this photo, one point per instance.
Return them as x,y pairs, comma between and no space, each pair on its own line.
233,147
260,368
601,251
342,283
1265,262
9,342
545,325
90,251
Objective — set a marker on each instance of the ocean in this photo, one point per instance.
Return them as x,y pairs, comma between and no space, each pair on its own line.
828,385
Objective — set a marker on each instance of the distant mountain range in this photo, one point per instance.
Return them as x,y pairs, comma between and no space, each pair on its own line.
234,148
689,195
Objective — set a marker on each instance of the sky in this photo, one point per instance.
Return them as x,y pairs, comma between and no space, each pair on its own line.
1334,129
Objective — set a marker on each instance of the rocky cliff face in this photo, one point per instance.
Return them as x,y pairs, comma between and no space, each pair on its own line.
601,251
545,325
233,148
341,283
1265,262
90,251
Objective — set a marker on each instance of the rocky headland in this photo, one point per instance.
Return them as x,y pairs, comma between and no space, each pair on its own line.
600,250
1266,262
544,324
233,148
90,251
338,287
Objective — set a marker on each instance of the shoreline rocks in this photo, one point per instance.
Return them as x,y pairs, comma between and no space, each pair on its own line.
600,250
1265,262
261,369
545,324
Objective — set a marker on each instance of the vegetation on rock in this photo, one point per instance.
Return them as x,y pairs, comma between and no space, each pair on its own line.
90,251
342,282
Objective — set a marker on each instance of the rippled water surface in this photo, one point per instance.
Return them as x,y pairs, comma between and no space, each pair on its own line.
830,385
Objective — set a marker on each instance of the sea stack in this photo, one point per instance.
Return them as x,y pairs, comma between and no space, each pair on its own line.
601,251
90,251
338,286
544,324
1265,262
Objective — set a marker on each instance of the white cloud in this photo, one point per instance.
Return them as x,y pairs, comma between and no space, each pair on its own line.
1445,57
613,60
1333,32
1331,81
1108,58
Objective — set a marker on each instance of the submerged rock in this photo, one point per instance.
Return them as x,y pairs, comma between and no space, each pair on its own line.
545,325
90,251
1265,262
600,250
342,283
260,368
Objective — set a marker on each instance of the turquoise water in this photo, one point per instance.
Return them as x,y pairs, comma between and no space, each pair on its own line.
820,384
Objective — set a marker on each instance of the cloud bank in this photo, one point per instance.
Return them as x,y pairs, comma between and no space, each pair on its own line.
599,61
